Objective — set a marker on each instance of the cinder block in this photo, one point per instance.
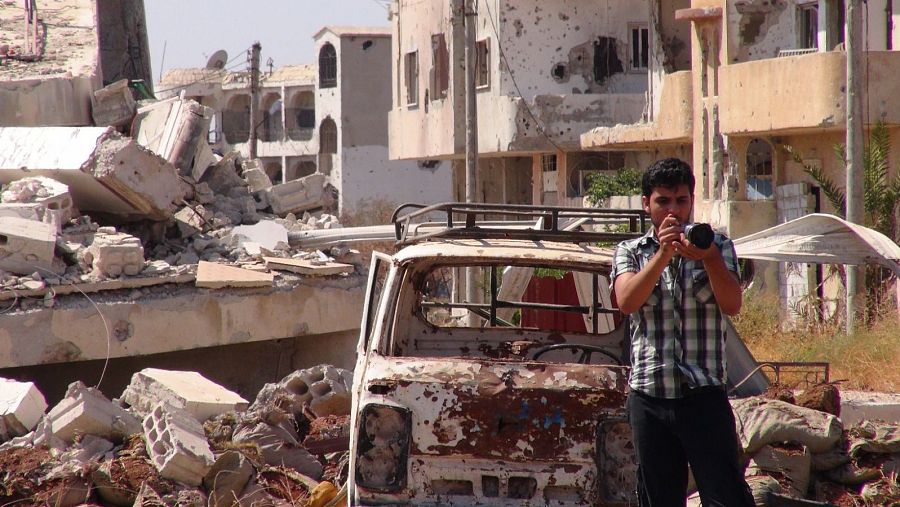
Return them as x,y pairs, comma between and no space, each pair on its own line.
299,195
184,390
113,105
177,445
324,388
116,254
26,245
256,177
86,411
21,407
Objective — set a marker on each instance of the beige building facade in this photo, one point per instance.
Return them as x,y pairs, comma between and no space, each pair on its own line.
764,77
546,71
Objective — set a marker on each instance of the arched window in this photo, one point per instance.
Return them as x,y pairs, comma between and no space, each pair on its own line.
328,141
273,129
759,170
327,66
236,120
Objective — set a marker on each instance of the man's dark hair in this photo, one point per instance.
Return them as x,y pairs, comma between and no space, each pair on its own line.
669,173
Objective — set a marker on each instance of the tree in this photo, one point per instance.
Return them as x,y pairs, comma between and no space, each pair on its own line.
602,186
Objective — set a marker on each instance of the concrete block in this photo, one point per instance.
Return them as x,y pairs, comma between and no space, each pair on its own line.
308,267
86,411
223,176
26,246
257,179
175,129
185,390
203,160
144,180
21,407
299,195
114,255
21,210
49,198
191,221
113,105
177,445
325,388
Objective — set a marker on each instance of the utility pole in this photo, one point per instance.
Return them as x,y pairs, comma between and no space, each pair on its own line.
254,96
470,11
855,149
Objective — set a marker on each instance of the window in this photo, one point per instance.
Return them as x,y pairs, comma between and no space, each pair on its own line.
440,73
483,63
640,47
808,18
759,170
411,73
328,137
327,66
548,162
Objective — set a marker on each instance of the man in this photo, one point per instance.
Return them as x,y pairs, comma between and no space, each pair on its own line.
676,294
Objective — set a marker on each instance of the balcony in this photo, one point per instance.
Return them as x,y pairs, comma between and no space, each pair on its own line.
673,124
802,94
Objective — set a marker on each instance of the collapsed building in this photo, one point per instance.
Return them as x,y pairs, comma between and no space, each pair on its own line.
125,241
328,118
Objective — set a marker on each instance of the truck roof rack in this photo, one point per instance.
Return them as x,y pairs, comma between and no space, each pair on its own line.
414,223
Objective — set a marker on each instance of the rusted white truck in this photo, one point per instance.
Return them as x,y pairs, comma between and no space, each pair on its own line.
513,396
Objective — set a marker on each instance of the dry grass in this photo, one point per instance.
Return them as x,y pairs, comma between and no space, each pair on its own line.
866,360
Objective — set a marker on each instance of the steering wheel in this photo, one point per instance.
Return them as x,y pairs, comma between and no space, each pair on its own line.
586,352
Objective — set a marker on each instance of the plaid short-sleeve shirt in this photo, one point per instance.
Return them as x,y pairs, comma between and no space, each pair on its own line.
678,335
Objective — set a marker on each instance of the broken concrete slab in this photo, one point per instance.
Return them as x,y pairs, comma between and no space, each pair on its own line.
256,177
113,105
21,407
113,255
266,233
21,210
279,447
104,171
85,411
27,246
54,204
192,220
222,176
298,195
309,267
216,276
227,478
177,445
175,129
185,390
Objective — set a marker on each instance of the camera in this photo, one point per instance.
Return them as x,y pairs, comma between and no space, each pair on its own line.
700,235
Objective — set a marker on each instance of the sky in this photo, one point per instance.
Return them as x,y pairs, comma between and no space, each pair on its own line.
185,33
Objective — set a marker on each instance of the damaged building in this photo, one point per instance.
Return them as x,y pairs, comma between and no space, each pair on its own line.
320,118
545,73
765,81
127,241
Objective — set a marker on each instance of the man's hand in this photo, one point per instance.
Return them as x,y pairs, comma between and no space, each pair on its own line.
670,232
690,251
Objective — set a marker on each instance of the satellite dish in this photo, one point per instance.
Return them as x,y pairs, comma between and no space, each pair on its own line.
217,60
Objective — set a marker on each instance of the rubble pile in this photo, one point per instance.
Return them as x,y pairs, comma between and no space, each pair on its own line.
798,448
177,438
143,195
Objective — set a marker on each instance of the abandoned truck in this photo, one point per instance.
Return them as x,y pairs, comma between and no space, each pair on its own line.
511,396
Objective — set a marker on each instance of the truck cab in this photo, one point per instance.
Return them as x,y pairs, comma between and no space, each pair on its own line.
512,395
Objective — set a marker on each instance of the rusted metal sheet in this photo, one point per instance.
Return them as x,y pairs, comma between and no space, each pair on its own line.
822,239
541,430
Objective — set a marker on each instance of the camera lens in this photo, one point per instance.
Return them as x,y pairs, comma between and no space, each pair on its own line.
700,235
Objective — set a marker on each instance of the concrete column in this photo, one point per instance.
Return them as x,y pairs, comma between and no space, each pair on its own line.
537,180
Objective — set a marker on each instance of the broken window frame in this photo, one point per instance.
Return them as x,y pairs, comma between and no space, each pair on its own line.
440,72
483,64
808,25
327,66
411,77
638,47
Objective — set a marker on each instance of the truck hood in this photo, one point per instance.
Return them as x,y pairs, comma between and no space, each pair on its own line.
516,411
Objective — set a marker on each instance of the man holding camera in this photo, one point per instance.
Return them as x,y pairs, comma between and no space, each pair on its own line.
675,283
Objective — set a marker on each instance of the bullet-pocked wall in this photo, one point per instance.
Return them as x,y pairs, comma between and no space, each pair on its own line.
124,45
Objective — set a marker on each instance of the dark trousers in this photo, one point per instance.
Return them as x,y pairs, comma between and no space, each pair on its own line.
696,429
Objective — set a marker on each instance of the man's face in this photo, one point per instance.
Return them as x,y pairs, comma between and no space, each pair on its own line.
663,202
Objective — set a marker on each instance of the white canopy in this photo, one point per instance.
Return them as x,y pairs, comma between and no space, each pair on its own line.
821,239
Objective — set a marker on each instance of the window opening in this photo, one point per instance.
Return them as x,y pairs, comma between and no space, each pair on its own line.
328,137
411,69
327,67
483,63
440,58
548,162
808,17
759,170
640,47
